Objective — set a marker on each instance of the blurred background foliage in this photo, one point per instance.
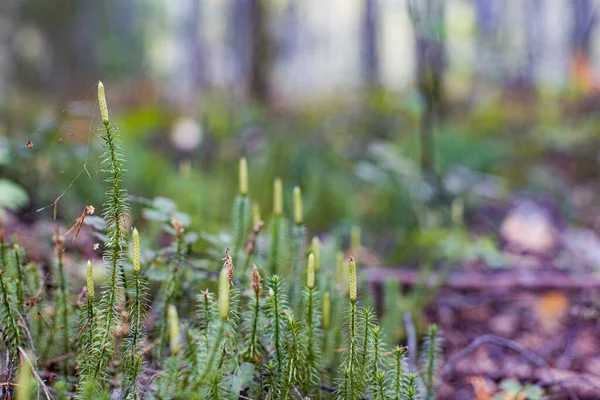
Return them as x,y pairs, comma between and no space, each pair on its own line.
407,118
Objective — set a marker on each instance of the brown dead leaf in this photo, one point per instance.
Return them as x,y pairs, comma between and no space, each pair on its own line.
551,308
481,387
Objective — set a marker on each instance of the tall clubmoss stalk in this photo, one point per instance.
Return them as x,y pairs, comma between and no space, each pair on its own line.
295,362
411,391
133,360
114,213
242,213
278,243
88,333
399,373
313,355
380,383
351,385
298,249
20,281
367,333
12,330
430,361
3,251
224,299
172,286
253,347
206,316
276,306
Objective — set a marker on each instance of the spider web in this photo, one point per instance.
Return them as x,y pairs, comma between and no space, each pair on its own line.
85,166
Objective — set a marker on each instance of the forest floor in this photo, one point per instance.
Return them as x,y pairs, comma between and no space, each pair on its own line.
534,326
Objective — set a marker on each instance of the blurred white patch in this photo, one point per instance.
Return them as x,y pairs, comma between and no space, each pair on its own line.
186,134
31,45
529,227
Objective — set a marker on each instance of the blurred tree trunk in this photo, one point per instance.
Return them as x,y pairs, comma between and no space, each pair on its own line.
240,38
532,13
260,71
427,18
370,43
194,51
584,22
487,21
251,46
8,22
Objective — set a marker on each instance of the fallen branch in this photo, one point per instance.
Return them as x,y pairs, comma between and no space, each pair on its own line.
513,279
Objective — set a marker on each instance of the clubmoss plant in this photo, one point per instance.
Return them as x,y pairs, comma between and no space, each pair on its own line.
19,279
279,231
3,250
250,343
241,212
88,333
10,320
171,289
352,384
430,361
115,212
276,306
399,373
313,331
137,314
295,358
411,389
367,320
380,382
298,248
253,344
224,300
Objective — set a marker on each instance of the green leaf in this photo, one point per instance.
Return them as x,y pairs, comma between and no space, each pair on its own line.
12,196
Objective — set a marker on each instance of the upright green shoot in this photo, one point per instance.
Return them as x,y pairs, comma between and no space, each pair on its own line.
351,385
137,314
241,213
278,236
313,332
430,361
115,214
253,345
298,249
